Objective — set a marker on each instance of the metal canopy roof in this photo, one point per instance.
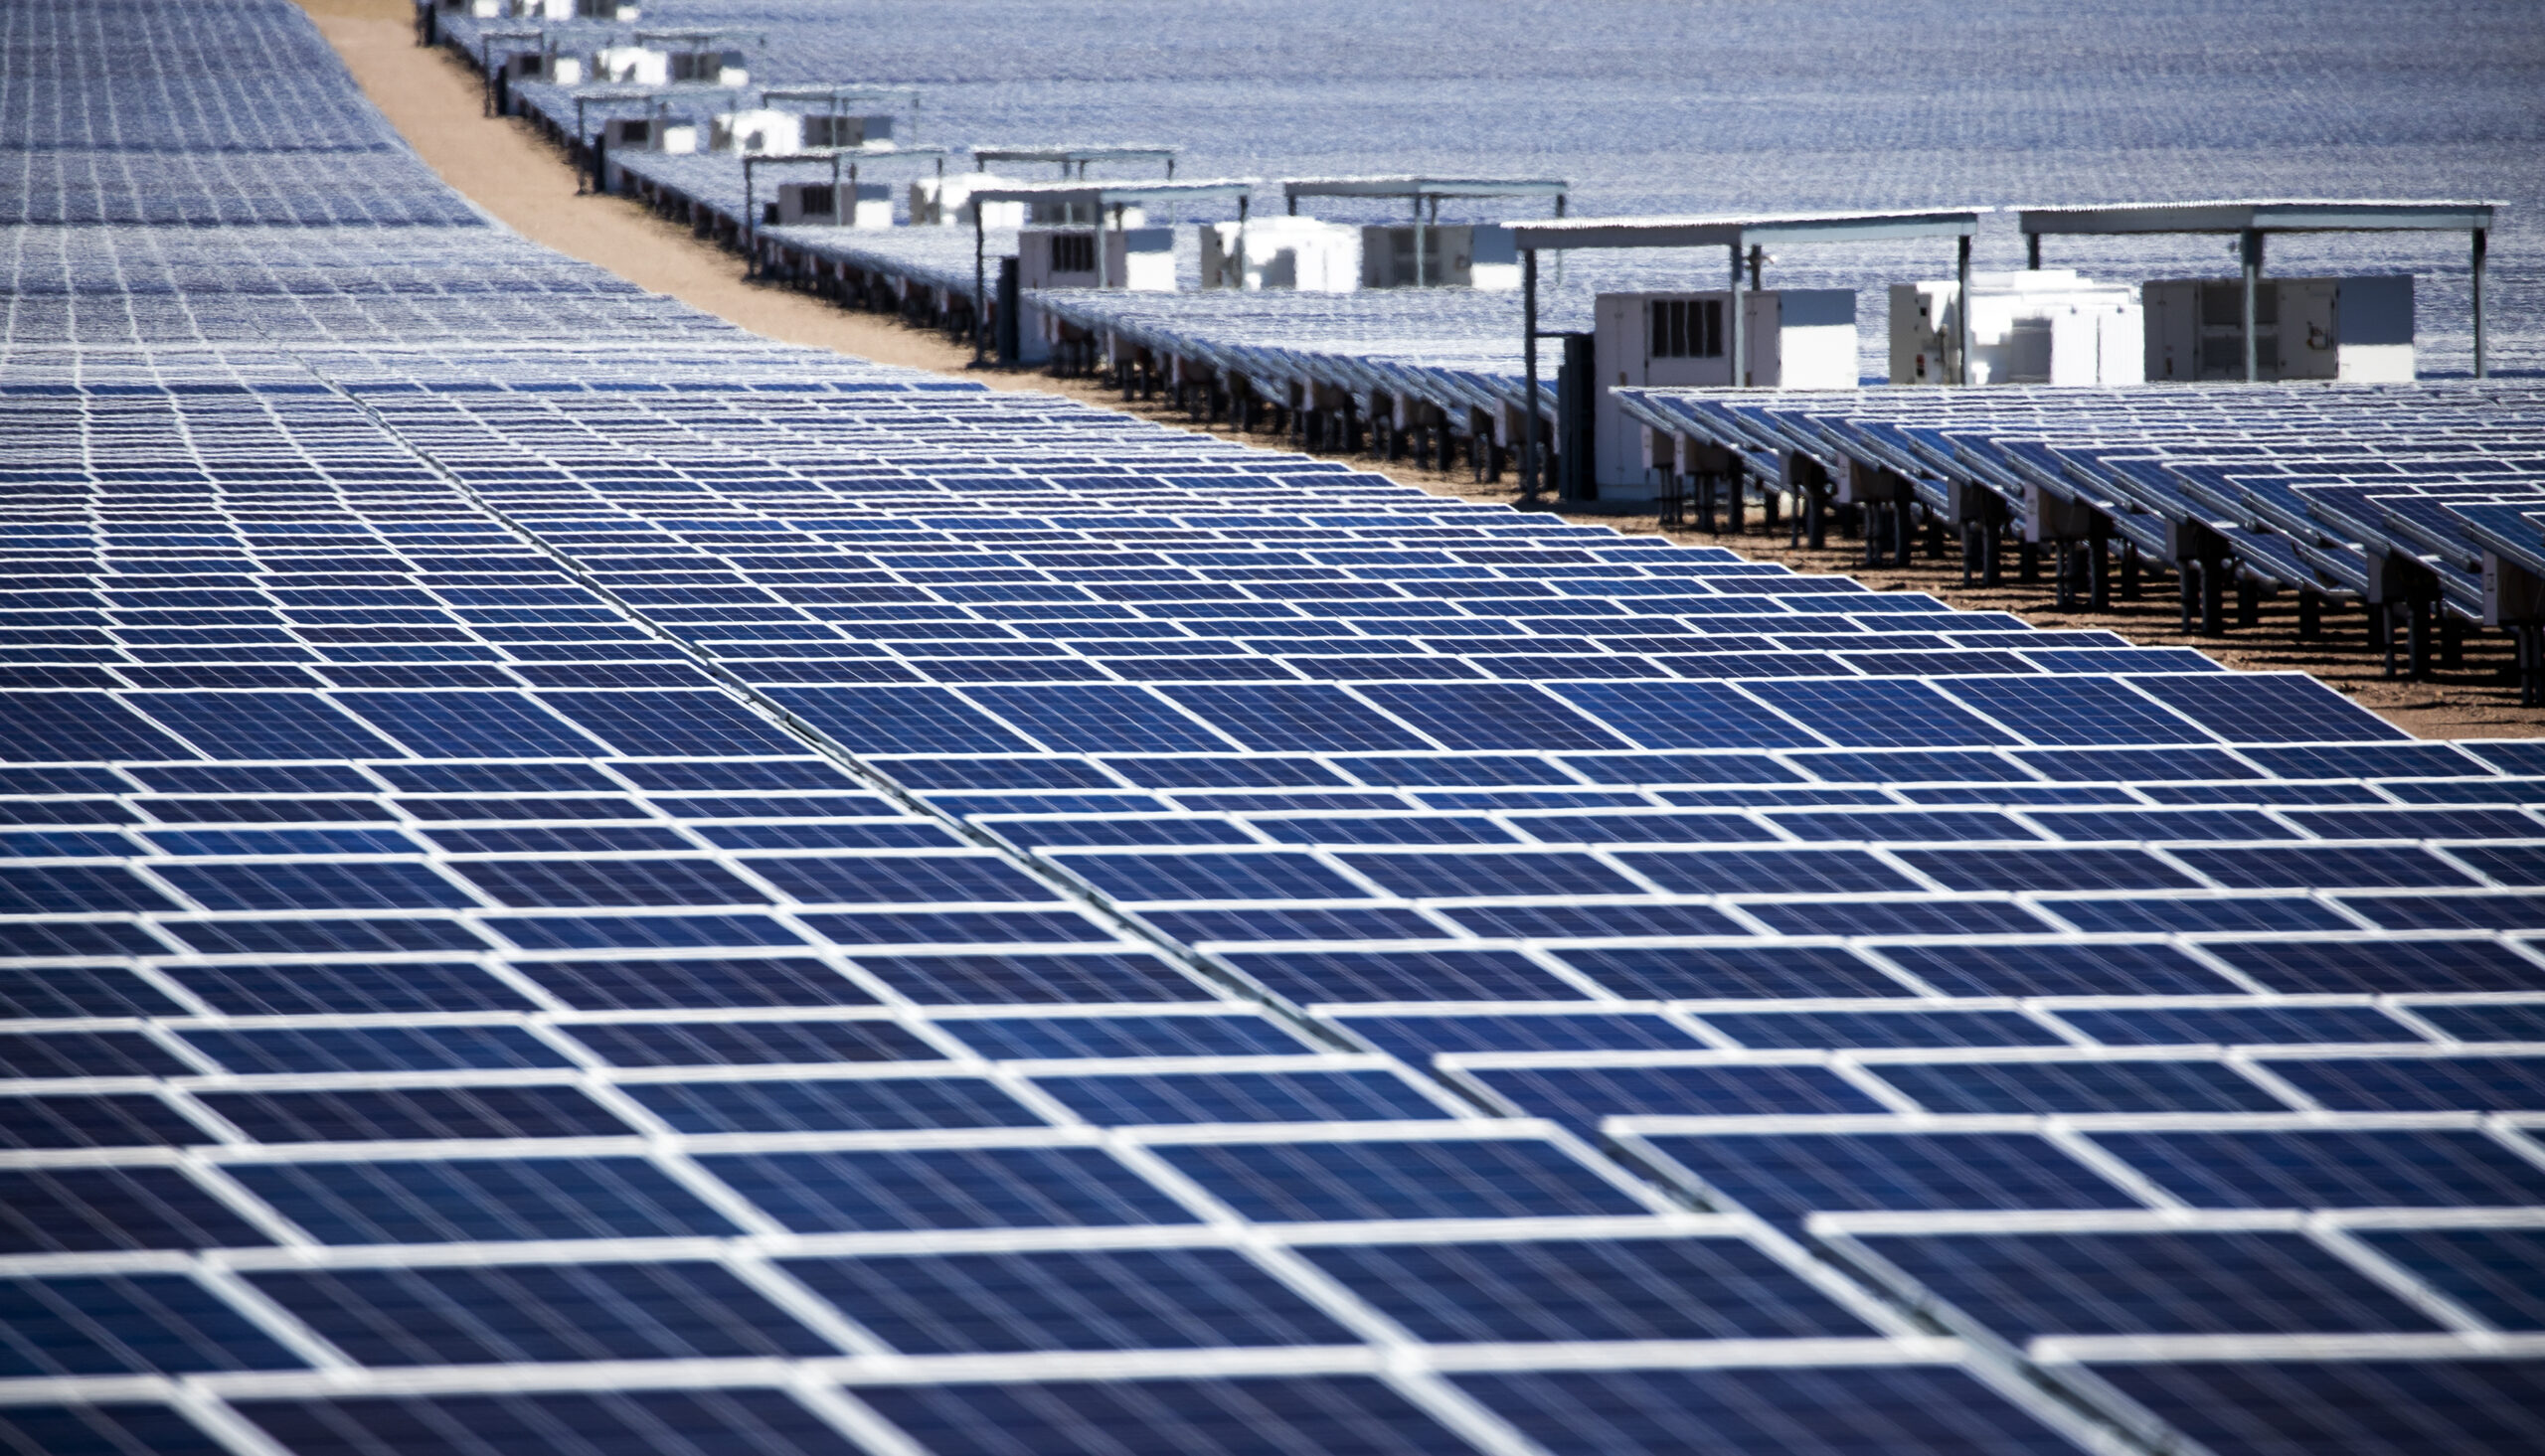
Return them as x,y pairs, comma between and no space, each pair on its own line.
620,91
2281,216
1740,232
699,33
1424,187
1112,194
840,93
1072,154
840,154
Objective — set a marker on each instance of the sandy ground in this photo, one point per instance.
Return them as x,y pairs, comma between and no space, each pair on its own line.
510,171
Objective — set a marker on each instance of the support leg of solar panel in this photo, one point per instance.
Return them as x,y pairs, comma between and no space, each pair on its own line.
2310,614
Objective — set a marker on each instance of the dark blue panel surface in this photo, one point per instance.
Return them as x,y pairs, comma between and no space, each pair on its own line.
1832,1411
1128,1299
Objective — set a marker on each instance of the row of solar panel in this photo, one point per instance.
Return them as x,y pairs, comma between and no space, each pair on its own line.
327,1030
2025,1286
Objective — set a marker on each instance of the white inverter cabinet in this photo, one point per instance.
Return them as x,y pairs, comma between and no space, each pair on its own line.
834,204
947,202
1141,260
2350,329
2038,326
1452,255
1301,254
1794,339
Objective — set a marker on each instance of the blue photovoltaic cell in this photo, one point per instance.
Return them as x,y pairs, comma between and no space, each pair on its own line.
1495,1178
262,725
1214,1418
1899,1411
1408,975
947,1187
2278,707
641,1420
899,720
2421,1084
2374,1407
2074,711
2330,1169
1733,973
1238,1096
1103,719
1462,715
114,1426
1638,1289
1129,1299
862,1105
2489,1270
1281,718
2356,966
1209,876
292,885
2059,970
468,1201
2022,1286
1687,716
1878,714
512,1312
1583,1095
1785,1176
469,724
92,1210
414,1114
753,1042
44,728
588,884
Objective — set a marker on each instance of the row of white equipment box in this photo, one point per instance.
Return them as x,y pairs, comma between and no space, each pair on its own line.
2042,326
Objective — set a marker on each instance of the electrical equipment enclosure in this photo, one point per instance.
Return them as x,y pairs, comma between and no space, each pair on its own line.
1794,339
1454,255
1299,253
947,202
754,132
2357,330
834,204
2038,326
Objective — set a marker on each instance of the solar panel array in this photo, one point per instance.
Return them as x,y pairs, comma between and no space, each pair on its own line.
625,896
2309,487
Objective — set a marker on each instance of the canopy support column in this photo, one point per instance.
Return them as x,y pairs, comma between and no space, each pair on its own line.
1529,370
2482,241
1737,335
1961,309
2252,252
980,280
1419,279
